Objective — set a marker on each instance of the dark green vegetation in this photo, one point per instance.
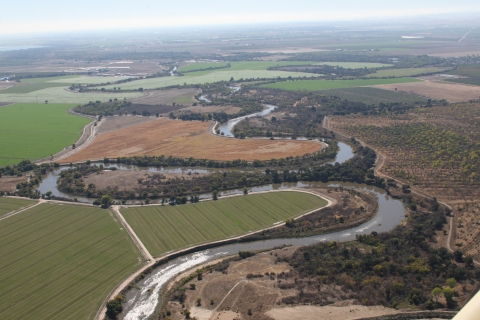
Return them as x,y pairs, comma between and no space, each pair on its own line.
471,74
10,204
99,108
61,262
165,228
374,96
33,131
394,269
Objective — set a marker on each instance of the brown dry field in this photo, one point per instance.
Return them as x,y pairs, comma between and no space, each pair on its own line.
186,139
10,183
168,96
436,90
127,179
211,109
121,122
6,85
233,294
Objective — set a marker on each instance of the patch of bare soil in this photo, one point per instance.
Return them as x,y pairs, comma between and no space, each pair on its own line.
211,109
165,97
6,85
186,139
253,288
129,180
436,90
329,312
122,122
10,183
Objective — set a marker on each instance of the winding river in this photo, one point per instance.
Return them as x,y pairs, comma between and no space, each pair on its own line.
141,303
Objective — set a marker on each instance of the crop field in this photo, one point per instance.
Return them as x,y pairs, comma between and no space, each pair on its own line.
369,95
167,97
201,65
88,80
471,72
10,204
406,72
165,228
62,95
315,85
61,261
31,87
202,77
186,139
436,90
33,131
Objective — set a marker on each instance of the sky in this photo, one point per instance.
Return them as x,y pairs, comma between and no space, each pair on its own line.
34,16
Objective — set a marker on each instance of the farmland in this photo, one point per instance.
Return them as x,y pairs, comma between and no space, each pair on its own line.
167,97
33,131
372,95
60,262
314,85
406,72
186,139
165,228
31,87
436,90
10,204
63,95
470,75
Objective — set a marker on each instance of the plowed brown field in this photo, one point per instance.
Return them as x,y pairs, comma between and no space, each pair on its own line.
436,90
186,139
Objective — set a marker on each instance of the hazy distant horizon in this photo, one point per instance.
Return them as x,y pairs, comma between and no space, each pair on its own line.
54,16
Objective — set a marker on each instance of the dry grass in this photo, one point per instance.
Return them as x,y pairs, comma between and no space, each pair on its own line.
468,229
436,90
212,109
186,139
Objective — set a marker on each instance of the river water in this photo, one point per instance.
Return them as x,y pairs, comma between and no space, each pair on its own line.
142,303
227,127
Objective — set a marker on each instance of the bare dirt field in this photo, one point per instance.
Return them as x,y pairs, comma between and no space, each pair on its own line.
118,123
348,312
436,90
253,288
211,109
186,139
6,85
127,179
10,183
166,97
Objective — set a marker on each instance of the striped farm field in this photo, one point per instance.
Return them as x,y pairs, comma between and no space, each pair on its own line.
314,85
166,228
61,261
10,204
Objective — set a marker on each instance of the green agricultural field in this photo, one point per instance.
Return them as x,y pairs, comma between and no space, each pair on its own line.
406,72
28,87
65,79
89,80
201,65
10,204
166,228
314,85
60,262
202,77
369,95
472,72
61,95
34,131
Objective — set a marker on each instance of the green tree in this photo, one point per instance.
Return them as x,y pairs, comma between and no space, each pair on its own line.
449,293
215,195
114,307
451,282
106,201
436,293
245,191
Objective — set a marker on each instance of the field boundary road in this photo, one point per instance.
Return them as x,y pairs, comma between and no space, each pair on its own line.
378,166
15,212
101,312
